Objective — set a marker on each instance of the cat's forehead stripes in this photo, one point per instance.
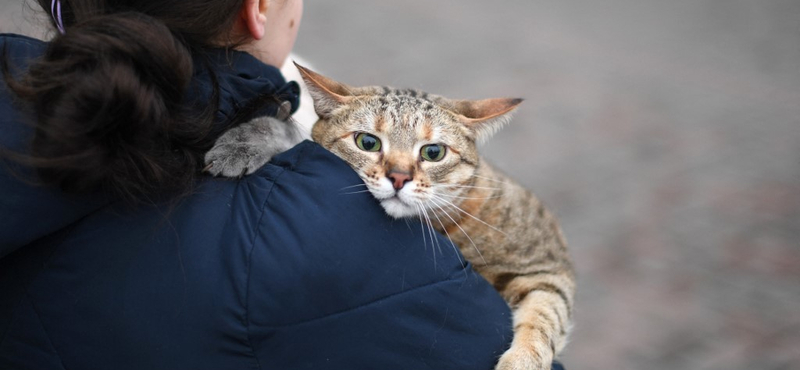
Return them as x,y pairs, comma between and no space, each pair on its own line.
427,132
403,118
410,92
405,97
407,115
380,123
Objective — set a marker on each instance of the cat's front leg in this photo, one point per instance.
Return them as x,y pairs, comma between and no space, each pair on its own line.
528,352
245,148
541,304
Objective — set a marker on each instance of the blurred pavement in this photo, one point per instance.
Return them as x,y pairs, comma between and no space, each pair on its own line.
665,134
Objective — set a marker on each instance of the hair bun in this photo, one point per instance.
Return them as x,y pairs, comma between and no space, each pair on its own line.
108,98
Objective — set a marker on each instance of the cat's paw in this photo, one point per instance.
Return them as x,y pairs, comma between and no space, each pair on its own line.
236,159
244,149
521,357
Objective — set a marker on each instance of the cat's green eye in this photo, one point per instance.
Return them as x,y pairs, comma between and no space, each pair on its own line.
433,152
367,142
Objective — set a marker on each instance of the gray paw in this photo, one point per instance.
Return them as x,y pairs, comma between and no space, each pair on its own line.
244,149
236,159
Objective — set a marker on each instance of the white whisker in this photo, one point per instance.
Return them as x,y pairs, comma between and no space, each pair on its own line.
357,192
450,204
465,186
460,197
408,224
352,186
434,241
422,227
432,232
462,230
451,239
490,179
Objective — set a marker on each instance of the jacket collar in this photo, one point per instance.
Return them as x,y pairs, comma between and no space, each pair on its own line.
241,78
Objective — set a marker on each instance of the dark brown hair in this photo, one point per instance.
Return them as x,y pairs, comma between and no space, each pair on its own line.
107,97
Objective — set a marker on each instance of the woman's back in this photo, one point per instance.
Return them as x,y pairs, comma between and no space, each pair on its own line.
282,269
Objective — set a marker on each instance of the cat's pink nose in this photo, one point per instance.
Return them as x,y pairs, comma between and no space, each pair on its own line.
398,178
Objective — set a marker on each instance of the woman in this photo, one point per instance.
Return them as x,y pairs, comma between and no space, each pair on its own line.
122,256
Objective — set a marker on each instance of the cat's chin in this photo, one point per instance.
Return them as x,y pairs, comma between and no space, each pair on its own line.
398,209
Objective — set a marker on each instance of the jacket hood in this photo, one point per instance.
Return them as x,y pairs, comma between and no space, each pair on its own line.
29,212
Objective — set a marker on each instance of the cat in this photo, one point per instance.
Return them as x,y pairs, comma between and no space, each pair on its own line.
416,153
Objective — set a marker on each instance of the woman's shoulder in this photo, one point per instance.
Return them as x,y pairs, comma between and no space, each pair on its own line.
327,261
313,223
291,265
19,48
17,39
27,212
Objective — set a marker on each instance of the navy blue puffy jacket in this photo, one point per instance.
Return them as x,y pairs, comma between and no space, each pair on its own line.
280,270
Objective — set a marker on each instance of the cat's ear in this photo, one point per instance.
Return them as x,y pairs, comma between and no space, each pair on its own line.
327,93
485,117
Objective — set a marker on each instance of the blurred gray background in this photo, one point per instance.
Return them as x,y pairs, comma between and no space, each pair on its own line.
665,134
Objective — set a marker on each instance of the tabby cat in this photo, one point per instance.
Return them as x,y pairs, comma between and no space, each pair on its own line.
417,155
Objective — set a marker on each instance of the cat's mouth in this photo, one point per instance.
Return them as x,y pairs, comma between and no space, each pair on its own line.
394,198
398,208
391,199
